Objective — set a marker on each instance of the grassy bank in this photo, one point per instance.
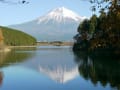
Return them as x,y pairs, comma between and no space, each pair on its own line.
12,37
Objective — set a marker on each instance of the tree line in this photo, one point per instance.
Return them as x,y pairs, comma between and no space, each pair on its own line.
102,32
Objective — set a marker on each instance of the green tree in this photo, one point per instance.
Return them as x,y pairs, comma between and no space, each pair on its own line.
83,29
105,29
84,26
93,24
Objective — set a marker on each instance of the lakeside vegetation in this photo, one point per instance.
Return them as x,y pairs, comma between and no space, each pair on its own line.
100,33
98,69
12,37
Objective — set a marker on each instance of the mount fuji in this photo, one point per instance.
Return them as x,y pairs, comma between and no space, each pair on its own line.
59,24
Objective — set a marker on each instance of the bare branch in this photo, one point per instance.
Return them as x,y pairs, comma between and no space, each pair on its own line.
13,2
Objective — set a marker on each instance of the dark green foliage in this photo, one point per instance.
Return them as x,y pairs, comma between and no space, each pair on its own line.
103,32
17,38
81,46
84,26
88,26
93,24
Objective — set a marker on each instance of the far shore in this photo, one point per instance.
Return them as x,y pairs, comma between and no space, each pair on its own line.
20,46
56,43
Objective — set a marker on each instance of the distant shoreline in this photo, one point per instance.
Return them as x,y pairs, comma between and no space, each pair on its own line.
56,43
20,46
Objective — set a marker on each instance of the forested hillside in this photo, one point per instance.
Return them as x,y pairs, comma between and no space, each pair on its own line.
14,37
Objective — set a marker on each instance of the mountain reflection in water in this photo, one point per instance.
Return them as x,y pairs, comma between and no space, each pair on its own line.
57,68
104,70
60,74
51,62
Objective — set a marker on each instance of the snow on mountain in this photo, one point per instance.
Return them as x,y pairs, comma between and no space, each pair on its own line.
59,24
60,14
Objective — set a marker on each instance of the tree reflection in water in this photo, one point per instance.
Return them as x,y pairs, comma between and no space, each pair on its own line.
16,55
1,77
105,70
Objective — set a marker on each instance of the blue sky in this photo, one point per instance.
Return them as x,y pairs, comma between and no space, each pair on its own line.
16,14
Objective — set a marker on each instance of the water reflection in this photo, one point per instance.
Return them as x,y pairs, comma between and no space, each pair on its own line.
104,70
52,62
52,68
60,74
1,77
15,56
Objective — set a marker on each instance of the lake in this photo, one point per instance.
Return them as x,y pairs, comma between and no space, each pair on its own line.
57,68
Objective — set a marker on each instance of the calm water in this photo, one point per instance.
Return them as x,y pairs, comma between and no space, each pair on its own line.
57,68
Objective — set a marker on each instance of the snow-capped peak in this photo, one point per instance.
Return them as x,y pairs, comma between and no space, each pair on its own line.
60,14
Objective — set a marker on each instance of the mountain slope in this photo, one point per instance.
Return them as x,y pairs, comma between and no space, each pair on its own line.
16,38
60,24
61,15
